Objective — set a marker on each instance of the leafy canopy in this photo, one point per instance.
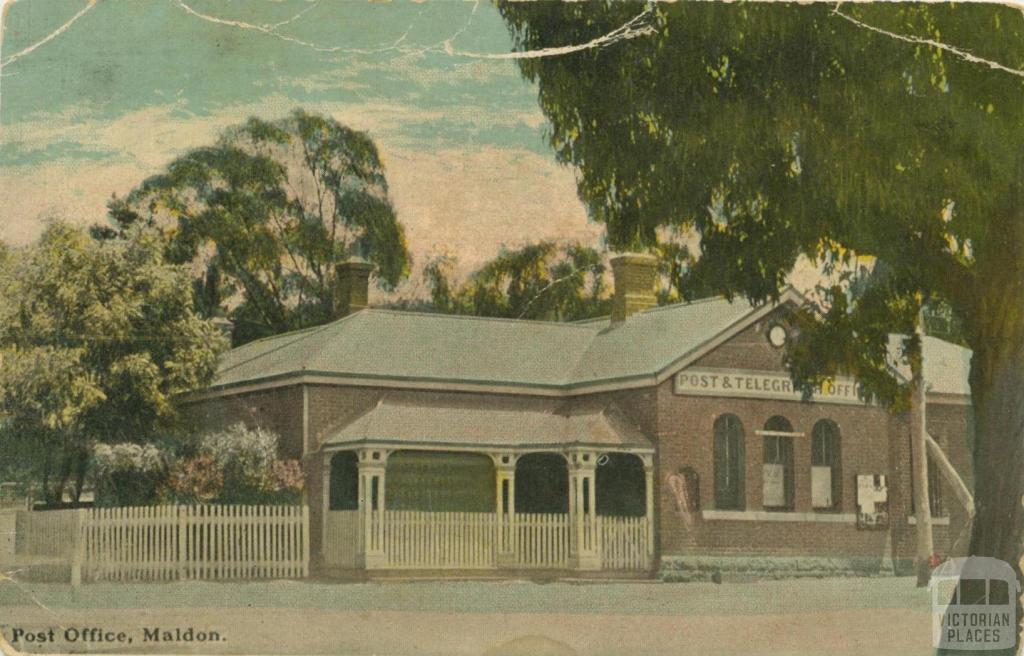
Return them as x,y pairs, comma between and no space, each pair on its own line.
96,340
780,131
265,213
860,136
547,280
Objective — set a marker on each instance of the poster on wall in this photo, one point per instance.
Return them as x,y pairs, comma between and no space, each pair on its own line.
774,485
872,501
821,487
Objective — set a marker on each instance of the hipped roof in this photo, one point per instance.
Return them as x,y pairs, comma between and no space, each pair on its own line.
375,344
403,418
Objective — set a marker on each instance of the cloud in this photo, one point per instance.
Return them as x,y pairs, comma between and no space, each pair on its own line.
467,200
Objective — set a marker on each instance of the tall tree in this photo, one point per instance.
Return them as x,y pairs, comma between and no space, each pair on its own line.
96,339
833,132
266,213
546,280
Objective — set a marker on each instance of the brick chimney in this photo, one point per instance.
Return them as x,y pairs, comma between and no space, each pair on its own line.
352,291
635,274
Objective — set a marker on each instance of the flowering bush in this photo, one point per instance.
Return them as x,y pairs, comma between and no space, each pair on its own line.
197,480
237,465
128,474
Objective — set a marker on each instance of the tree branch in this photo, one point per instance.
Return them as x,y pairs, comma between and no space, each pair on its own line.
957,52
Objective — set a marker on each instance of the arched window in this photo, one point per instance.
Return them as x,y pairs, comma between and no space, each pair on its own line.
777,472
826,466
730,470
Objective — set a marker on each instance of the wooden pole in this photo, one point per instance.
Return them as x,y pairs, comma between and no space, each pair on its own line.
919,429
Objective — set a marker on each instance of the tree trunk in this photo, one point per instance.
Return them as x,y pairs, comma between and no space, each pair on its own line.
997,395
81,466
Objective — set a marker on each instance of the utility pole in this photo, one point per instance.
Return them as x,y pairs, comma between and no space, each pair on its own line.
919,455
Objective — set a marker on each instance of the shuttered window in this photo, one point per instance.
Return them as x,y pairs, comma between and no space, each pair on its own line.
730,470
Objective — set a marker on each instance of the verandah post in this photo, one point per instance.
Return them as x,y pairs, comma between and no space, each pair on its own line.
505,502
649,497
582,479
372,467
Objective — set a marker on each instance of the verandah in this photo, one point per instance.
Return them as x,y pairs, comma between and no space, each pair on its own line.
414,509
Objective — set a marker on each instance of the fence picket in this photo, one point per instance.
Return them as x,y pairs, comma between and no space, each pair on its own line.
174,542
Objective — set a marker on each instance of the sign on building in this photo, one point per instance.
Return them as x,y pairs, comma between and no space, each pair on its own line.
872,501
762,385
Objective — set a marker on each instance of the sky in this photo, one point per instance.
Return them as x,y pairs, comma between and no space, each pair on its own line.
96,96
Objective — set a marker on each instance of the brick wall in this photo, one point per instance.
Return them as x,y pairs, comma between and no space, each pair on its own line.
278,410
873,441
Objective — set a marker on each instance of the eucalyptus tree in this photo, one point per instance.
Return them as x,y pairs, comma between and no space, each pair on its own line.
264,214
547,280
885,133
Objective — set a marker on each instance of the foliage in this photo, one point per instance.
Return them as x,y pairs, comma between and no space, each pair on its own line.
546,280
265,213
196,480
776,131
237,465
128,474
96,340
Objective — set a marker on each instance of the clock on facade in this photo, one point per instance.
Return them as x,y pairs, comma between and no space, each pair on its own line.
777,335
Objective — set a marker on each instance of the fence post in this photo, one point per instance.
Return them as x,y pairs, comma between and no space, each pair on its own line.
182,534
305,540
78,551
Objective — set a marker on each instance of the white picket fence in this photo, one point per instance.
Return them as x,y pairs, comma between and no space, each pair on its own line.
625,543
465,540
439,540
341,539
46,533
160,543
541,540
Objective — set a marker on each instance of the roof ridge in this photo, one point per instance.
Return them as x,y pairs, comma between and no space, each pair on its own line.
471,317
681,304
299,334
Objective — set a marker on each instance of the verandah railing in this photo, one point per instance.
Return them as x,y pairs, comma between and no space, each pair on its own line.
453,540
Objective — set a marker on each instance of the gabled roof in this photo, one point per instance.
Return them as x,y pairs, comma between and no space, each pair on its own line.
403,418
437,349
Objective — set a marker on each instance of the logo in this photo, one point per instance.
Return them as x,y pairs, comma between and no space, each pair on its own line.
974,604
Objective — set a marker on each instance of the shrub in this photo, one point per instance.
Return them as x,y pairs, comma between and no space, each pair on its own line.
237,465
128,474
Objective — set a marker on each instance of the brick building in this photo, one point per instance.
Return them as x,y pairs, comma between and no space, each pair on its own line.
663,439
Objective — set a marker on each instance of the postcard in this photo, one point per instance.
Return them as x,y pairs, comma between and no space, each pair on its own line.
508,328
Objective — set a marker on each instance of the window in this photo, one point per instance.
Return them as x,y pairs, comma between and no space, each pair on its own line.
826,472
730,470
777,470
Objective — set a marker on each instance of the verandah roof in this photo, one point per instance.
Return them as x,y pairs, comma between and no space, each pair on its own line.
401,419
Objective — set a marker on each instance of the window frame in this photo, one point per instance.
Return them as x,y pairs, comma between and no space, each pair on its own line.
728,432
784,455
832,458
